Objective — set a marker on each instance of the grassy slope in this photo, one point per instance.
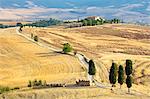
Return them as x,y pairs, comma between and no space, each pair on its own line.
104,44
101,43
22,60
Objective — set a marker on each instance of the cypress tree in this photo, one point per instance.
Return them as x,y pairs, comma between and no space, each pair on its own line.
92,69
121,75
36,38
128,67
113,74
129,82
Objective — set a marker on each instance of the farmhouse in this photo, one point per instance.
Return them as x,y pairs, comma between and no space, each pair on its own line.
94,18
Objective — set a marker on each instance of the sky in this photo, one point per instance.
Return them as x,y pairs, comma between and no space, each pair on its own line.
127,10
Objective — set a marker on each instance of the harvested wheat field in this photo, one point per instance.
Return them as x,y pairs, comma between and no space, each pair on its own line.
23,60
104,44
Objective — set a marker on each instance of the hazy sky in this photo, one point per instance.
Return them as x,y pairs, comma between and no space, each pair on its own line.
128,10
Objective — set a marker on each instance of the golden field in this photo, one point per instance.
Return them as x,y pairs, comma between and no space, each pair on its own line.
22,60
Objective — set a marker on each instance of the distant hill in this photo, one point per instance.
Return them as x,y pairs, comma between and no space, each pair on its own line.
128,10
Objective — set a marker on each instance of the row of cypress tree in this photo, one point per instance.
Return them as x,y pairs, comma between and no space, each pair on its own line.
114,73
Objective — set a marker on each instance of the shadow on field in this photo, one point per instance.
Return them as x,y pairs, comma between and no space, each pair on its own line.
54,53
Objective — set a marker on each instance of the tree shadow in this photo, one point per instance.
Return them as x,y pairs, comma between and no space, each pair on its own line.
54,53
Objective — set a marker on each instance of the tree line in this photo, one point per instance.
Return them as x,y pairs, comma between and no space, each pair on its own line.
92,22
6,26
44,23
115,74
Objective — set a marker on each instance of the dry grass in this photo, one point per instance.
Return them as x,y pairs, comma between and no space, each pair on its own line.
104,44
22,60
101,43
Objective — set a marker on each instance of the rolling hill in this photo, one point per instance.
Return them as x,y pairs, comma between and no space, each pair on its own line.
22,60
25,60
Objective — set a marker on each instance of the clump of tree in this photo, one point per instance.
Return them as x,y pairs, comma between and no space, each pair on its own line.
115,20
67,48
113,74
35,83
90,22
44,23
4,89
19,24
36,38
121,78
128,70
6,26
121,75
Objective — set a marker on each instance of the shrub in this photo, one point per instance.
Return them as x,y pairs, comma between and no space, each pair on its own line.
67,48
32,35
4,89
44,83
40,82
16,88
30,83
36,38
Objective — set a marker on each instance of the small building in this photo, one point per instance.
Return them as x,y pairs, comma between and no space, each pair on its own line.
94,18
73,25
83,83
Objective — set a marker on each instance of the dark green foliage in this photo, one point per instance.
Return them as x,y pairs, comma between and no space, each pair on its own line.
45,23
36,38
85,22
6,26
19,24
90,22
44,83
115,20
40,82
30,83
20,28
1,26
92,69
129,82
4,89
113,73
35,83
16,88
121,75
128,67
32,35
67,48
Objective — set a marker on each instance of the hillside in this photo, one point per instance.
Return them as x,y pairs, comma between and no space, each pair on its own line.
104,44
22,60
